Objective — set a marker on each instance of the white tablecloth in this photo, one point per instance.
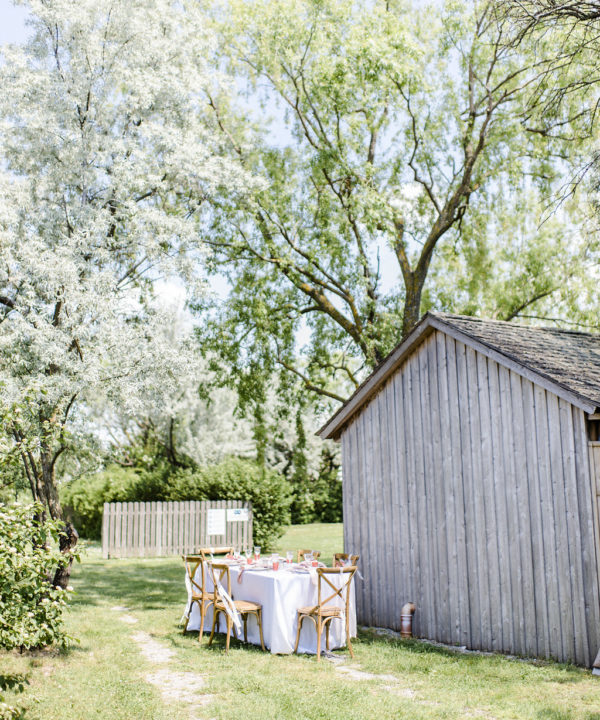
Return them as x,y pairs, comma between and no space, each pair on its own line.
281,592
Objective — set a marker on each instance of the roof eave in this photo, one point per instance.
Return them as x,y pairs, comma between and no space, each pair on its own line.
335,425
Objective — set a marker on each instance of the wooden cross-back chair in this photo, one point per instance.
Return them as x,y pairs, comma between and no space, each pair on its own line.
340,559
220,572
302,553
322,614
199,594
208,552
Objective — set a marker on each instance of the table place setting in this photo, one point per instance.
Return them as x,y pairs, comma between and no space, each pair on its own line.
281,586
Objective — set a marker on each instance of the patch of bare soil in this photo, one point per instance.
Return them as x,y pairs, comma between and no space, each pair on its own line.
391,681
151,649
174,685
177,686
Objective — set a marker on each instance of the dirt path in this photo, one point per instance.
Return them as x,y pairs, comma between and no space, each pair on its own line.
174,685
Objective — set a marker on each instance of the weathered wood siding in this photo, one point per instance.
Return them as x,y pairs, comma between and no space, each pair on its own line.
467,490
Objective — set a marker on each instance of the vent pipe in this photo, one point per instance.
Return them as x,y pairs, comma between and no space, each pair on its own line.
406,618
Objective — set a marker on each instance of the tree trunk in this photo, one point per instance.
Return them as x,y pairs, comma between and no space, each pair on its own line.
67,542
50,490
412,303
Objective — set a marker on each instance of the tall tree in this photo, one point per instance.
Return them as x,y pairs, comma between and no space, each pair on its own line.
105,153
392,124
536,11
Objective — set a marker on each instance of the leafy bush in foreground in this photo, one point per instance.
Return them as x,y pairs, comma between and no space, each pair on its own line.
31,609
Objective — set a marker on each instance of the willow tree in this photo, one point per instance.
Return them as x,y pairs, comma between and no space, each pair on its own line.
105,153
390,125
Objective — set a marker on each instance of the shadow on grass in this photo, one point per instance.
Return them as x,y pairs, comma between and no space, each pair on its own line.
143,585
553,714
569,673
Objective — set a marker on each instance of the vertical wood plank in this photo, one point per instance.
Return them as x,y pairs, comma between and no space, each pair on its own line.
477,570
580,640
117,529
105,526
562,540
548,526
436,368
517,625
424,588
585,490
399,511
539,643
474,635
500,477
457,492
489,530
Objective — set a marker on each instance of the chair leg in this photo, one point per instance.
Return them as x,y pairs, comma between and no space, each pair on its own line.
348,641
259,618
202,616
188,612
228,637
319,631
327,624
246,628
214,624
300,621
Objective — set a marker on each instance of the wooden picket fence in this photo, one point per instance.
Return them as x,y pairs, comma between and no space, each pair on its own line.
154,529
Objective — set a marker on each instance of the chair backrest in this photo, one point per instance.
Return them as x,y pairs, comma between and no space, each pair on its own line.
325,585
192,562
218,572
302,553
208,552
340,559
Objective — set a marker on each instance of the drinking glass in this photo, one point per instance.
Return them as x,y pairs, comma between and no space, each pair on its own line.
257,552
275,561
308,558
289,556
248,554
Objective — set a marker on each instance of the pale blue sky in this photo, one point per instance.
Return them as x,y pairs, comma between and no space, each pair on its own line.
12,23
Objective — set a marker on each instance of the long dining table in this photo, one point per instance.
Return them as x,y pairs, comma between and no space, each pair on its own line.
280,592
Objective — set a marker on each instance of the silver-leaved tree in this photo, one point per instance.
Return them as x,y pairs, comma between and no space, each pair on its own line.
105,157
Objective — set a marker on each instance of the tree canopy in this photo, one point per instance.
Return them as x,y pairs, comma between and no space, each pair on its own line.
402,145
105,154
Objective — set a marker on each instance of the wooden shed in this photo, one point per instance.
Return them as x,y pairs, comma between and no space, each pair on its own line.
471,471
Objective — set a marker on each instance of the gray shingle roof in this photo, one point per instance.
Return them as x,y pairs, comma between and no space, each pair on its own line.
558,359
569,358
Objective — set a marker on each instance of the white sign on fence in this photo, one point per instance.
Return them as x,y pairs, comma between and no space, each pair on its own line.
237,515
215,522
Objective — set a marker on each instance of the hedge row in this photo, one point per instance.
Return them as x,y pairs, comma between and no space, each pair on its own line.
232,479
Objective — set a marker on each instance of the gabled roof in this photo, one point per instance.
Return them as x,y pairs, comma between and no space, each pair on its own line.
565,362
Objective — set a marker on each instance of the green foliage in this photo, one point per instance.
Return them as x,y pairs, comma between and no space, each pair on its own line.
31,609
84,498
15,683
235,479
407,150
232,479
327,488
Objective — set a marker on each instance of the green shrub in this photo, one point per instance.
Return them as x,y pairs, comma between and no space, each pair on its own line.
31,609
235,479
232,479
83,499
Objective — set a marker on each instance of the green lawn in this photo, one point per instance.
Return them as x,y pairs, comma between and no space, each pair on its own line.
105,674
